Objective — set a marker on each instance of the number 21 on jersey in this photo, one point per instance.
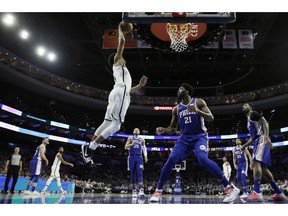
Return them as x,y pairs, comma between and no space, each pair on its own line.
188,120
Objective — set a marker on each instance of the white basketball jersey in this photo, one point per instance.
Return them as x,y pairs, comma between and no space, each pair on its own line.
122,77
57,161
227,168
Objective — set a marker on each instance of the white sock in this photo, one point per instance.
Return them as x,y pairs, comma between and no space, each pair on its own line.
59,184
93,145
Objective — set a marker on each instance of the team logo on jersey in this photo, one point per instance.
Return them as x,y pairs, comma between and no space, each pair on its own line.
203,147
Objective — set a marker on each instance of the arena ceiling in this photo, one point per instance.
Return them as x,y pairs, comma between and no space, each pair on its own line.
77,39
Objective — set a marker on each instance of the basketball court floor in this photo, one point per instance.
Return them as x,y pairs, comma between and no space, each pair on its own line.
93,198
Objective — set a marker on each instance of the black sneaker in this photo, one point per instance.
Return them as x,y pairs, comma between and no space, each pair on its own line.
4,192
86,153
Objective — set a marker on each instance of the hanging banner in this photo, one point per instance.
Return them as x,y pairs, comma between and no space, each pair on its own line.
245,39
229,41
110,40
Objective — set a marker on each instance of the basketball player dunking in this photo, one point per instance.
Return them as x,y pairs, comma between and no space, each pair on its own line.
136,145
240,161
190,115
118,101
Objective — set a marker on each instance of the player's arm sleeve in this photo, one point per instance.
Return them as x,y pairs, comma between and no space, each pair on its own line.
255,116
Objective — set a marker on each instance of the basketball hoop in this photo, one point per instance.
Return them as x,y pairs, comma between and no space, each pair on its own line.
178,34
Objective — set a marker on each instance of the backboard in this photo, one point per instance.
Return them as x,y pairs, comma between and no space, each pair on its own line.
179,17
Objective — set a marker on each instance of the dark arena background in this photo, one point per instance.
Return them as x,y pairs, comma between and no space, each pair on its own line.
56,75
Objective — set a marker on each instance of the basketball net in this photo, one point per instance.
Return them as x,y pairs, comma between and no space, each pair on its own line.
178,34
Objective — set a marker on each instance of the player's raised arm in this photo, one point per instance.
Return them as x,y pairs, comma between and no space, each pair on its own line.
121,44
173,125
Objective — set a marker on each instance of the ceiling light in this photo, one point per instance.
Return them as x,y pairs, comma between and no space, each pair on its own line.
24,34
51,56
41,51
8,19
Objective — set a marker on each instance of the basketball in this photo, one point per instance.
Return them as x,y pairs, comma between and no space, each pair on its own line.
126,27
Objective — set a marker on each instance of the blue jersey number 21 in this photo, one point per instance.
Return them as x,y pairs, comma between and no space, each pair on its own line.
188,120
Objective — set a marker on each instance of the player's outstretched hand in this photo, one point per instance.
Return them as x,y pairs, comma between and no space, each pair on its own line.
71,165
143,81
159,130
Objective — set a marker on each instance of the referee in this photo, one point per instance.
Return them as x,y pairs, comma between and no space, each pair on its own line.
13,168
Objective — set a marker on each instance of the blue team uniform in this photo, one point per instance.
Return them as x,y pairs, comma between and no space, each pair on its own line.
194,136
242,164
36,163
241,161
135,160
261,152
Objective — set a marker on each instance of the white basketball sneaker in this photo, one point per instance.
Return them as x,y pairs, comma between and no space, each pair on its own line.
244,196
231,192
156,196
141,192
26,192
134,193
36,192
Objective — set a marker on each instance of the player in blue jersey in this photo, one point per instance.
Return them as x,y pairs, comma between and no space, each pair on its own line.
258,128
136,145
36,165
190,114
240,161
